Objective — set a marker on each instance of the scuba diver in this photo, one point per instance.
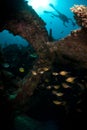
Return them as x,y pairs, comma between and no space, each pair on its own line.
60,15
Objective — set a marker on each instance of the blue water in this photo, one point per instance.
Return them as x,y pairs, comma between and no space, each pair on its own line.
58,29
7,38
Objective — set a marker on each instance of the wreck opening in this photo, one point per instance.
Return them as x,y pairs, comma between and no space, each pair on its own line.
18,54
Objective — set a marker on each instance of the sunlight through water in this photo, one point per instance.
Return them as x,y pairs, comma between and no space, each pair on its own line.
39,5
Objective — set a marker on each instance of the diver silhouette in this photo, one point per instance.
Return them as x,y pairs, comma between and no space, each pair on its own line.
60,15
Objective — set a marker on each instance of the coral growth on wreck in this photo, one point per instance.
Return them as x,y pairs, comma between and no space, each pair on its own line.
80,12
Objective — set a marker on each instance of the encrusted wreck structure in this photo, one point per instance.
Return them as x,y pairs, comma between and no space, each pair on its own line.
70,51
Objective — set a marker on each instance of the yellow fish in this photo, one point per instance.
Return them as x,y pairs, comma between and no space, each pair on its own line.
21,69
57,102
70,79
63,73
34,72
59,94
56,86
49,87
65,85
45,69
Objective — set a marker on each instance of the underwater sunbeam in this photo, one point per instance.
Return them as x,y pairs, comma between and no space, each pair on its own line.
38,3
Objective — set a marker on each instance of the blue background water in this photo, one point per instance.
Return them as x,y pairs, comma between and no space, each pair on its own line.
58,29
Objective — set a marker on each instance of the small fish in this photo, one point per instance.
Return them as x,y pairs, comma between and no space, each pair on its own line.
57,102
63,73
59,94
64,85
34,72
5,65
49,87
11,97
46,11
41,72
56,86
45,68
55,73
21,69
70,79
34,55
